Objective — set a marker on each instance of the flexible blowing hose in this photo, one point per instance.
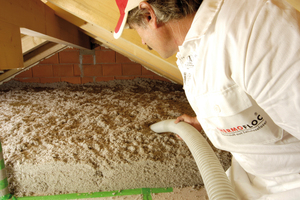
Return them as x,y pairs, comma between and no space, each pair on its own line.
215,180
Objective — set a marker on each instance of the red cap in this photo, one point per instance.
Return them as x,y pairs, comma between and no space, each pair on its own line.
124,7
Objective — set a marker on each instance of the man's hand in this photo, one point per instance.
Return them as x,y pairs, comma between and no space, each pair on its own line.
190,120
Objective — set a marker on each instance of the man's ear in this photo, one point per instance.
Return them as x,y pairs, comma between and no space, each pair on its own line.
150,17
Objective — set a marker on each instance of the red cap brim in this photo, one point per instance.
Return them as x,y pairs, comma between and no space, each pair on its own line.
123,17
119,23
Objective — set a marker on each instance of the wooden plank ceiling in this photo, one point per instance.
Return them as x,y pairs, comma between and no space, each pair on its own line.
32,30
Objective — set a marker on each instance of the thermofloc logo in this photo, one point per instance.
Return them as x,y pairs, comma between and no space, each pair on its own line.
256,124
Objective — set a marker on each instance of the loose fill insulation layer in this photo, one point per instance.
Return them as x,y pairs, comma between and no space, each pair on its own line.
62,138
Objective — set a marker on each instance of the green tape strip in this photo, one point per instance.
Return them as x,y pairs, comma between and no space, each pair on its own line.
6,197
3,184
2,165
146,192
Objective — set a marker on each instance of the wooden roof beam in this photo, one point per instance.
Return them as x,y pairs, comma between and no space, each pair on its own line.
30,43
10,46
37,19
31,59
33,18
98,19
295,4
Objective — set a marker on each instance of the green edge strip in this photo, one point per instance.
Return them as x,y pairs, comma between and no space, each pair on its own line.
2,165
146,192
6,197
3,184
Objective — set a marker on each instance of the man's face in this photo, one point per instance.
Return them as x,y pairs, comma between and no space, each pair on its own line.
157,39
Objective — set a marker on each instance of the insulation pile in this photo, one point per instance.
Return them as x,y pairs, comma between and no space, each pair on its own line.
62,138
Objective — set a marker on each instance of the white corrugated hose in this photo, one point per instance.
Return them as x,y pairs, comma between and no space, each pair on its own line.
215,180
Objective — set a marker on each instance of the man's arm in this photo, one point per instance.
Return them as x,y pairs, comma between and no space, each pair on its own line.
190,120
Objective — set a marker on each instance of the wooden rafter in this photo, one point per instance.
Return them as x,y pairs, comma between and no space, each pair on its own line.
33,18
34,57
10,46
30,43
37,19
98,19
295,3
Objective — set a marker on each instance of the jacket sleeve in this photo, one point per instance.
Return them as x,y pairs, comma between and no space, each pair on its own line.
272,64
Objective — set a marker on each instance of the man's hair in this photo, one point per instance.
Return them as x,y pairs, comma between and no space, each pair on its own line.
165,10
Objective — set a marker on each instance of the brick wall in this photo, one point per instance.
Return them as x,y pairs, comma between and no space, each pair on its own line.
78,66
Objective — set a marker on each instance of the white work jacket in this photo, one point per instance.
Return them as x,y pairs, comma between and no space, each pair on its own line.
240,63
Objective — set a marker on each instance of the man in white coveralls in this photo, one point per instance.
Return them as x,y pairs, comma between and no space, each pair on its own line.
240,62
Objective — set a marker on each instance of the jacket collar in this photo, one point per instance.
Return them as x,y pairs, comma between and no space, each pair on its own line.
202,20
